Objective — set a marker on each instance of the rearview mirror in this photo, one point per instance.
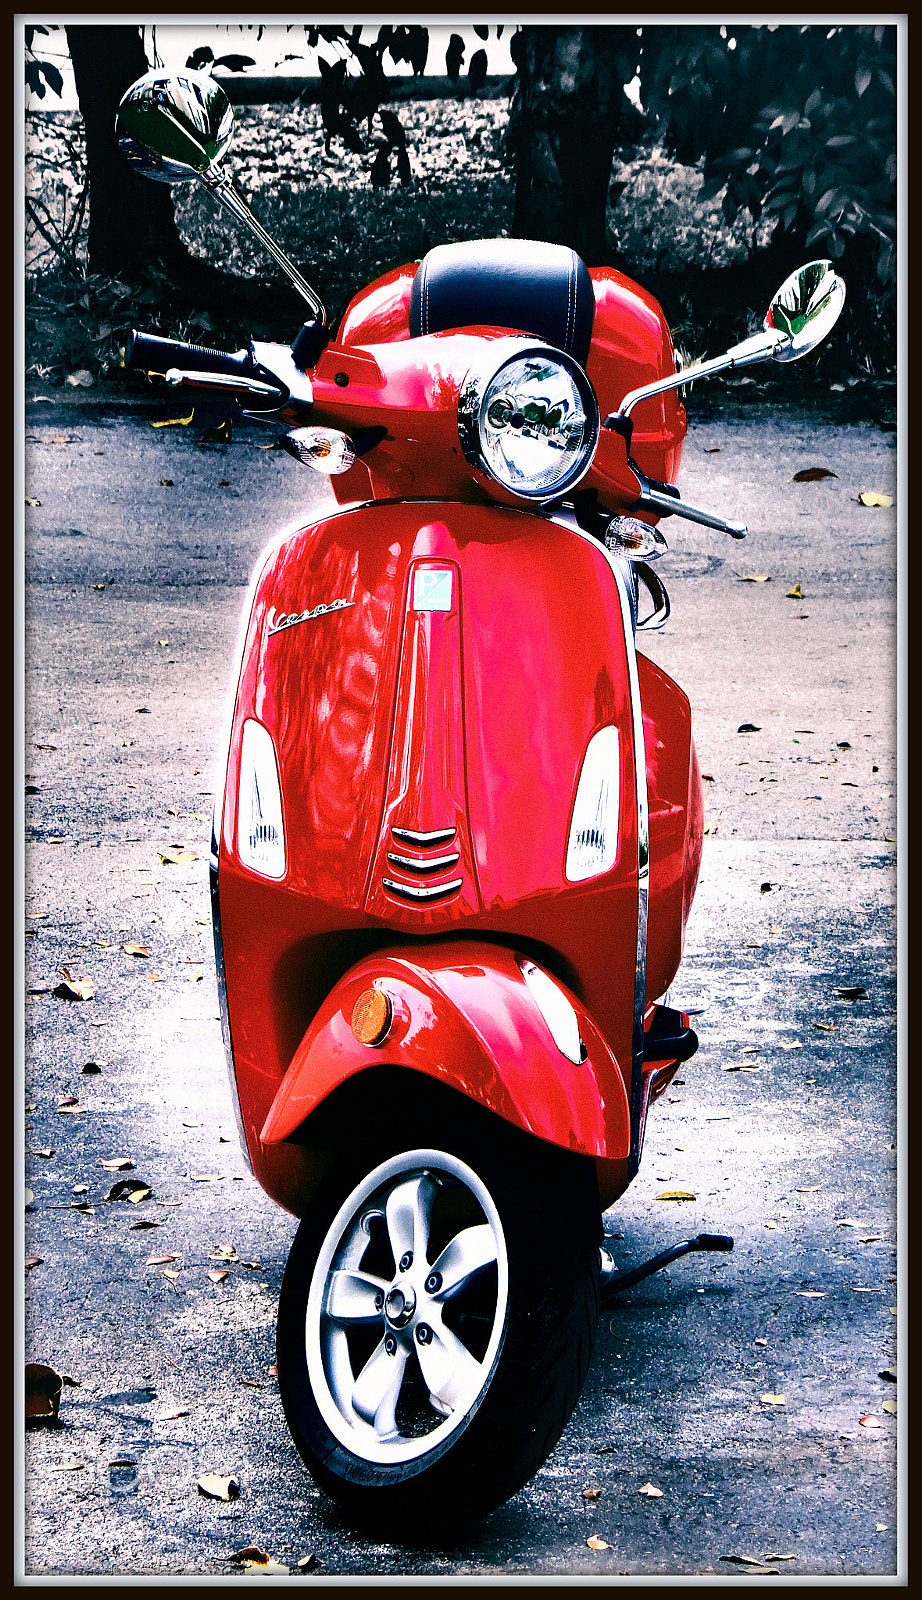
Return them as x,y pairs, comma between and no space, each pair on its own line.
174,126
805,309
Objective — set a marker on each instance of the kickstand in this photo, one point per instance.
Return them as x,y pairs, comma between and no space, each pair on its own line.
614,1282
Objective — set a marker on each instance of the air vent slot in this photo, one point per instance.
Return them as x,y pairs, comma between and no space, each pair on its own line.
422,891
424,841
422,863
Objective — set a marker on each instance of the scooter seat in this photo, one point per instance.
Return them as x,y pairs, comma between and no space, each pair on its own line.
538,288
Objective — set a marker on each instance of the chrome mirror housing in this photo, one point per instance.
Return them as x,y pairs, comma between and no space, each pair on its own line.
174,127
805,309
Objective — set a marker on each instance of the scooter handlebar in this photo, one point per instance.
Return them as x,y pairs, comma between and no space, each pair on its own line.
151,353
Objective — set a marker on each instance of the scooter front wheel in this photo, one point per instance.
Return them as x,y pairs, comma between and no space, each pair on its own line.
435,1325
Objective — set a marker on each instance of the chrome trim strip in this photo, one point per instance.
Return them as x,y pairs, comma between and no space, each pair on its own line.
422,891
424,840
415,865
643,842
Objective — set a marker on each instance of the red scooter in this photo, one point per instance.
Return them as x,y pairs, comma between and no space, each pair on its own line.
460,832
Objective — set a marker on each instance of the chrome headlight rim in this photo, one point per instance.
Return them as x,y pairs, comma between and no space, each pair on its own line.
470,404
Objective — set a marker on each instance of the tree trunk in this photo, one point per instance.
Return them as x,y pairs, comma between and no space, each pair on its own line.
132,226
568,113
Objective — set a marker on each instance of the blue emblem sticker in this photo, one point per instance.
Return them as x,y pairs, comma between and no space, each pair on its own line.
432,589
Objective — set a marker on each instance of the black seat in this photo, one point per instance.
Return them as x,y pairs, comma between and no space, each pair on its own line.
543,289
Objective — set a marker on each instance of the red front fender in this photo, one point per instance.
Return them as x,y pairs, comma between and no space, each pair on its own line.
463,1015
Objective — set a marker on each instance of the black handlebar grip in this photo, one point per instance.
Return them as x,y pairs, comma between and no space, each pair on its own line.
151,353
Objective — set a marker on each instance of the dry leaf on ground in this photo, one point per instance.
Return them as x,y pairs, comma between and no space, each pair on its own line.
651,1491
595,1543
43,1390
214,1487
812,474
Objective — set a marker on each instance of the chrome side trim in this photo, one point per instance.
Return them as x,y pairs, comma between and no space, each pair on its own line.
424,840
422,891
414,864
643,842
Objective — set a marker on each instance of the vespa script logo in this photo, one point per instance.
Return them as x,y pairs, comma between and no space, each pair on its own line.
276,624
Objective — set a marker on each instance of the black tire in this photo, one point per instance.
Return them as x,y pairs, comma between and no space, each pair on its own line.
511,1326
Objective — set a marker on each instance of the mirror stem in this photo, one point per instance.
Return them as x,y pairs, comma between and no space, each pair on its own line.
221,186
758,348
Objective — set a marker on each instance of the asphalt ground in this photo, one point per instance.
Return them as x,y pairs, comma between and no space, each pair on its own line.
748,1388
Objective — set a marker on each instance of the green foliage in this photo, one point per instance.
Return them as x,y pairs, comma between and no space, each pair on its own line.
813,150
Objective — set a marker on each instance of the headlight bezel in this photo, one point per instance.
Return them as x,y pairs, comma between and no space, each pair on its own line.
472,403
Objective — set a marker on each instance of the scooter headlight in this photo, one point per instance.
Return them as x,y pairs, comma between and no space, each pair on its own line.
531,424
260,831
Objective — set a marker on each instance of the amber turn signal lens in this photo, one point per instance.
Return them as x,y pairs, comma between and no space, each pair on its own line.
371,1017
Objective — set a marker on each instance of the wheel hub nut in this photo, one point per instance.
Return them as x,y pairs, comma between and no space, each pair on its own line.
400,1305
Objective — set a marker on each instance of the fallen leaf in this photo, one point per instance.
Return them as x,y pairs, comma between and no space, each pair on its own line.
813,474
852,994
81,379
825,1027
172,1416
69,1110
870,497
772,1399
168,1272
133,1189
174,422
870,1422
253,1383
31,501
33,1261
206,1177
256,1560
43,1389
882,1527
45,1153
595,1543
889,1373
811,1294
676,1194
794,594
119,1164
87,1211
218,1488
222,434
774,1556
67,1466
75,989
890,1407
91,1067
745,578
146,1222
166,483
850,1222
592,1494
161,1261
856,1289
307,1563
135,950
749,727
753,1563
177,856
809,1188
217,1277
651,1491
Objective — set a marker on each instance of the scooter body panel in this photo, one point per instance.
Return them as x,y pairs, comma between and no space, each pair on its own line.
438,670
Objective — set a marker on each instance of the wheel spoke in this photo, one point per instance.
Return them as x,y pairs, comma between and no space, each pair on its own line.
468,1253
351,1296
377,1388
449,1370
408,1210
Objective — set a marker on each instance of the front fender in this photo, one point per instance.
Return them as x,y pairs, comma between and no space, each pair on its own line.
463,1015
